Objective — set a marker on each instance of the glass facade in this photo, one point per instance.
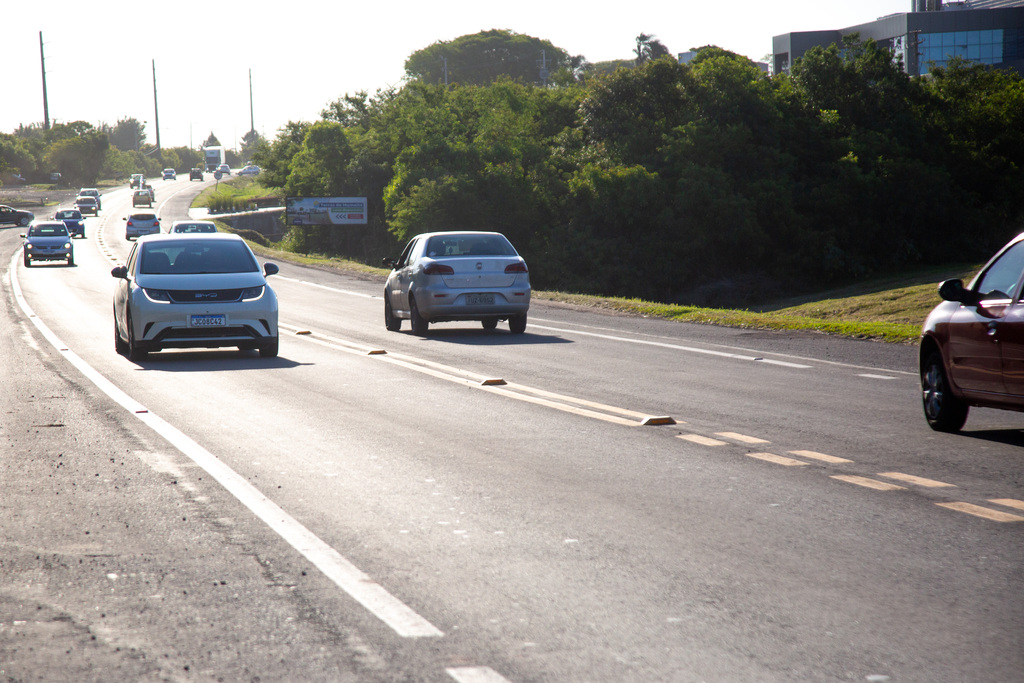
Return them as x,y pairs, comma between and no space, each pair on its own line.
993,46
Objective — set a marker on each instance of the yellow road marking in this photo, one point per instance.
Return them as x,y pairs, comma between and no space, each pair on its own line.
777,459
868,483
741,437
1008,502
918,481
702,440
983,512
814,455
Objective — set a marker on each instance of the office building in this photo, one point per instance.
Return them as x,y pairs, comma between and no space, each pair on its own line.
932,32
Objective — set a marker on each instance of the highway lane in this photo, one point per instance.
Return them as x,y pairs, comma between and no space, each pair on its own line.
547,541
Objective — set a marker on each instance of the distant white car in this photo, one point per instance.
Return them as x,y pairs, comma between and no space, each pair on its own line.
170,174
91,192
225,169
192,226
250,170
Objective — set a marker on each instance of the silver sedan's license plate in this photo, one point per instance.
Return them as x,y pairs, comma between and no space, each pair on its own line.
207,321
479,299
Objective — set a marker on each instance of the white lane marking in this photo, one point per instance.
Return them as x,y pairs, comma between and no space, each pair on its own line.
819,361
777,459
867,482
755,358
676,347
343,573
824,457
917,481
475,674
1008,502
742,438
701,440
869,376
983,512
326,287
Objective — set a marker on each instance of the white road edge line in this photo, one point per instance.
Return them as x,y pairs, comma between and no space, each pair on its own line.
343,573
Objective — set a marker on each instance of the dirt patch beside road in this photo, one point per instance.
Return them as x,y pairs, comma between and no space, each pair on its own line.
34,199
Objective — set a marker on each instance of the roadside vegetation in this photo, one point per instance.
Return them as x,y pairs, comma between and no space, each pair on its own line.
707,184
237,193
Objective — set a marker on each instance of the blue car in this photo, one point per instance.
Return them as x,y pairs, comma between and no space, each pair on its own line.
74,221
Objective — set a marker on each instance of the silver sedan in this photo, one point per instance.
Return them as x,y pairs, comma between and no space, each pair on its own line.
451,276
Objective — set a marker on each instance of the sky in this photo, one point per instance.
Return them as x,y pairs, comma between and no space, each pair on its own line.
303,54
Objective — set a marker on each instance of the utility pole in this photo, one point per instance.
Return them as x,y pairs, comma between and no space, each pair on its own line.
544,73
444,60
46,103
156,116
252,118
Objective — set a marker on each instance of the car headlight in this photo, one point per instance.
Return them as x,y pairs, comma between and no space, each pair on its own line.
28,245
161,296
67,245
252,293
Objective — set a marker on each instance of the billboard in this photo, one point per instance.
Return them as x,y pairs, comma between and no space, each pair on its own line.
325,211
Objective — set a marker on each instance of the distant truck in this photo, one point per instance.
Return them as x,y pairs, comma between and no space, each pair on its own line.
214,157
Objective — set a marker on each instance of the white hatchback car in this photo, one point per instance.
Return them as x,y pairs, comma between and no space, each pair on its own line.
193,291
446,276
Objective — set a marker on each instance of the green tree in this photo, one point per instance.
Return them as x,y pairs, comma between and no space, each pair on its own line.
15,156
648,48
629,112
275,158
484,57
78,159
319,169
978,112
128,134
250,143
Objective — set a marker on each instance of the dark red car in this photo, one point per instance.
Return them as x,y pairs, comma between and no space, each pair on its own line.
972,344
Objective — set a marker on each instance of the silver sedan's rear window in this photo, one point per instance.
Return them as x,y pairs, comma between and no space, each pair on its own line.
469,245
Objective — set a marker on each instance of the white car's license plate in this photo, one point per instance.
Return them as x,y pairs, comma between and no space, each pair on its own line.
479,299
207,321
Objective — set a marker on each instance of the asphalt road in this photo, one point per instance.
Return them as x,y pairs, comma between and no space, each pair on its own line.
373,506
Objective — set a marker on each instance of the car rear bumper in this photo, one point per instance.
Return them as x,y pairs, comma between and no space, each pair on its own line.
444,304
